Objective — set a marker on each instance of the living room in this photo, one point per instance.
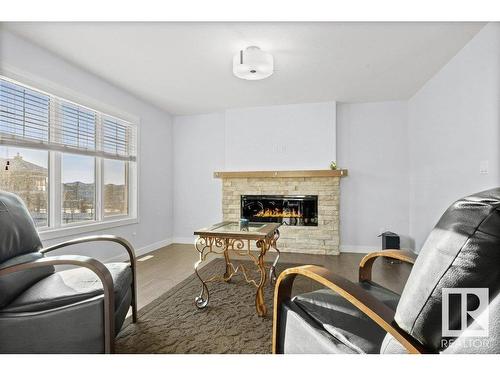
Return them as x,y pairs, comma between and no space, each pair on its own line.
249,187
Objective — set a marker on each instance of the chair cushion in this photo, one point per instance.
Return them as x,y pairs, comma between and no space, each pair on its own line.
70,286
349,330
72,329
14,284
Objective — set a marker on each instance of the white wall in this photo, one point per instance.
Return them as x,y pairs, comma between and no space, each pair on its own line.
432,150
260,138
407,161
299,136
372,145
155,160
453,126
198,153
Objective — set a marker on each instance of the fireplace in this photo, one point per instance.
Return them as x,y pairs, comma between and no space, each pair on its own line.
320,236
293,210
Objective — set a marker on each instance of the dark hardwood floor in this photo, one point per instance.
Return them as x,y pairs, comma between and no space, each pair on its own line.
170,265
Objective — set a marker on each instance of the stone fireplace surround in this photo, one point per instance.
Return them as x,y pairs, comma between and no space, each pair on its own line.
321,239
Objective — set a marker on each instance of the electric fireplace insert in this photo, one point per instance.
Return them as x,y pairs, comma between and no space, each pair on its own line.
287,209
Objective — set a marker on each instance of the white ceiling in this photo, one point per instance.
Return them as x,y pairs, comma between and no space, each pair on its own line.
185,68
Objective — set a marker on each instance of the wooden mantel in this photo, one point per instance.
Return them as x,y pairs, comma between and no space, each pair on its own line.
274,174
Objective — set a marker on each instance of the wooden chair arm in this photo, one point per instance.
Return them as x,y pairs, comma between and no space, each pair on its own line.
95,266
376,310
365,266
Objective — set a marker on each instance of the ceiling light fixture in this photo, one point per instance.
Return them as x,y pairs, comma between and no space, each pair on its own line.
253,64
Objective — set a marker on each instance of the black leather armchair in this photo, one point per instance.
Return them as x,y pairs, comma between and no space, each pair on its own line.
462,251
77,310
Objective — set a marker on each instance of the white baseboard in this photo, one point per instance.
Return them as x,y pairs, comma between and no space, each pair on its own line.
142,250
184,240
358,248
190,240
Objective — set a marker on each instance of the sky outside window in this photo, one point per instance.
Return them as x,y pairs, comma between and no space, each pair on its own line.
78,168
33,156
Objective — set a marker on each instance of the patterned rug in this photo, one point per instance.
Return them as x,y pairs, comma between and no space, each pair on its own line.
229,324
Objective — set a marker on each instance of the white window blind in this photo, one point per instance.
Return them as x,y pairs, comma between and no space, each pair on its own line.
75,126
24,115
117,137
37,120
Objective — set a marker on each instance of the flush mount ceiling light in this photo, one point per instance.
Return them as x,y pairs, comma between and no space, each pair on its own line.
253,64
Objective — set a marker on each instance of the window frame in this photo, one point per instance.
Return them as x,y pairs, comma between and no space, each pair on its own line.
55,228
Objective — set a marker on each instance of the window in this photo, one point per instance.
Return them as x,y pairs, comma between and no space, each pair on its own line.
115,188
78,188
70,164
25,173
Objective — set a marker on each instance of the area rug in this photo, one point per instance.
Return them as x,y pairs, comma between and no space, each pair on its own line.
229,324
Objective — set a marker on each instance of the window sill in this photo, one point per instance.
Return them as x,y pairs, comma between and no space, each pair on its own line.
49,234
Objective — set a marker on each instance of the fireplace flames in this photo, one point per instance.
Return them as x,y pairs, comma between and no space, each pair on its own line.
276,212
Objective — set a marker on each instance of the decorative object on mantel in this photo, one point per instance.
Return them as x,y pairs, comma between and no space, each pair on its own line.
333,166
271,174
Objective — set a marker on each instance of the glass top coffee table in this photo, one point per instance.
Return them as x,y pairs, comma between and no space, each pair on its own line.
234,238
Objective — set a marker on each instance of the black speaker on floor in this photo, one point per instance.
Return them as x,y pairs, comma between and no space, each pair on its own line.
390,240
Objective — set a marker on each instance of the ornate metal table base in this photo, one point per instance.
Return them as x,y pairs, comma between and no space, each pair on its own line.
210,244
